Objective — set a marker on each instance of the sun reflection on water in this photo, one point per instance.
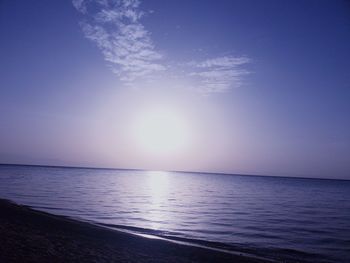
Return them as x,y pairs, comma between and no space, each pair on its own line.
158,183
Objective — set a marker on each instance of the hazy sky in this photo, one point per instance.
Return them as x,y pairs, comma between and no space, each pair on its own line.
254,87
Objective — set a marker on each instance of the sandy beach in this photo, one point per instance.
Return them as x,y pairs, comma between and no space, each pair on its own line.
32,236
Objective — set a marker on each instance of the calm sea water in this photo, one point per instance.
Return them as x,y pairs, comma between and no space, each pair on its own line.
296,220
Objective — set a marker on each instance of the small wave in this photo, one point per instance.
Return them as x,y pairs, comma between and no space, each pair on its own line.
270,254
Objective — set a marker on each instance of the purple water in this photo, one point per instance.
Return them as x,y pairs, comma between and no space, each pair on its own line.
296,220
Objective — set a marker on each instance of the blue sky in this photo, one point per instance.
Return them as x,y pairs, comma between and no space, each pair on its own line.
265,85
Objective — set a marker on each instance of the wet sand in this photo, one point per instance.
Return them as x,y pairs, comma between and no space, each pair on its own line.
31,236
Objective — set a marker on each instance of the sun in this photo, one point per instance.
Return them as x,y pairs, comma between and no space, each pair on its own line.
161,131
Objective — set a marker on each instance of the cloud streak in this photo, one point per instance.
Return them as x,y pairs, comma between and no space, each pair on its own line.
115,27
218,74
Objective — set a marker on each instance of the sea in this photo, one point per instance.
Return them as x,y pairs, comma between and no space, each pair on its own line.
281,219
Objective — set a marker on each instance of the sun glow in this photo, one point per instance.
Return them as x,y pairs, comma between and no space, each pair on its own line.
161,131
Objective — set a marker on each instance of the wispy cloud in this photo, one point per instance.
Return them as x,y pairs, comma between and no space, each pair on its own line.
115,27
218,74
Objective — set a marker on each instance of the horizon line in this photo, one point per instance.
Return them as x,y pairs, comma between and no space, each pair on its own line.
173,171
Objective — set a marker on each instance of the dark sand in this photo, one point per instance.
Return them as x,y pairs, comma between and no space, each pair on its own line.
27,235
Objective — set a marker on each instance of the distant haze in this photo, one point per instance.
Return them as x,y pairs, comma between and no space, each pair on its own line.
251,87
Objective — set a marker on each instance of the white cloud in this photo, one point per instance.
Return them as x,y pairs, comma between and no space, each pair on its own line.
226,61
79,5
115,27
218,74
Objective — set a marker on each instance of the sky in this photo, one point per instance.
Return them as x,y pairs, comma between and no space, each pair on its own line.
249,87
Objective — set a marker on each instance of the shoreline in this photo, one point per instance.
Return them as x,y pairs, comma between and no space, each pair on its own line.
28,235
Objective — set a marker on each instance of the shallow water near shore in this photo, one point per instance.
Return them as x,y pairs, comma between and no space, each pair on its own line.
274,217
